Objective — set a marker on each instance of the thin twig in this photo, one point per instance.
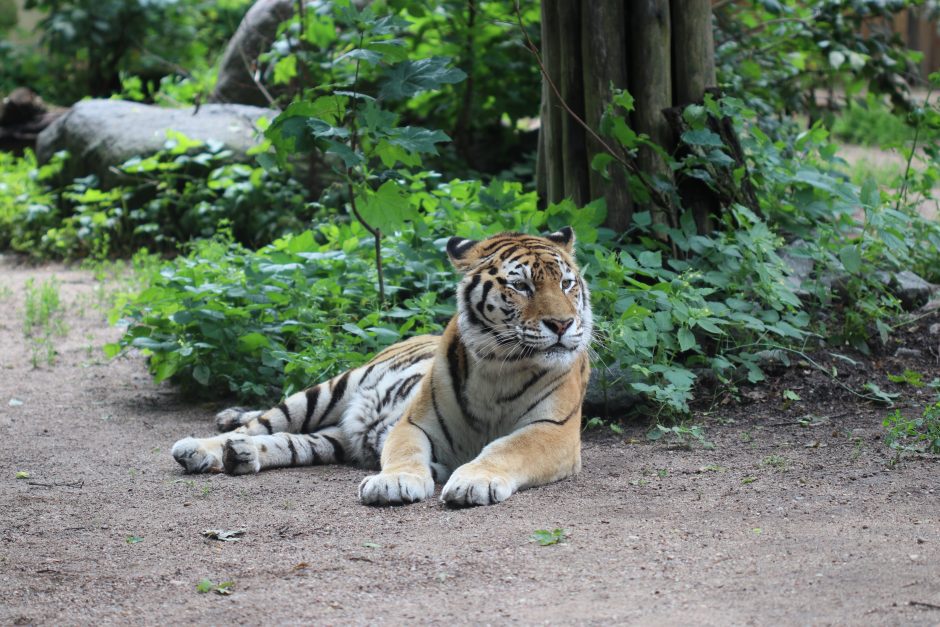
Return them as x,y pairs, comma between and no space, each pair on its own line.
910,157
354,143
251,74
932,606
71,484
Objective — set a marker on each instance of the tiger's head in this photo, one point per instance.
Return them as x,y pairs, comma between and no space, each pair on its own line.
522,298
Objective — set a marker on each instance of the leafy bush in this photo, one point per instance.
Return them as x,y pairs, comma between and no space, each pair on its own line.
305,307
181,193
86,46
24,201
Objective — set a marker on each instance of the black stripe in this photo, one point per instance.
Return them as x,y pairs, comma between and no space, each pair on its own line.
457,383
486,290
430,441
402,365
314,457
369,370
312,395
551,390
267,424
407,385
283,408
293,451
337,393
440,418
525,386
559,422
339,455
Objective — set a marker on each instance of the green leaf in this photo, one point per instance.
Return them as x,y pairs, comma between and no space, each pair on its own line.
251,342
851,258
544,537
600,162
687,339
416,139
702,137
412,77
387,208
201,374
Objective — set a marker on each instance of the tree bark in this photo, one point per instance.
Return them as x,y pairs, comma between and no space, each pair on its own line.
693,54
663,52
605,65
552,116
648,22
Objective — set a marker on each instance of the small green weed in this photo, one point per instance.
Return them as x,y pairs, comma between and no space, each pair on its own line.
5,292
133,539
543,537
776,461
907,435
910,377
224,588
22,474
680,435
43,318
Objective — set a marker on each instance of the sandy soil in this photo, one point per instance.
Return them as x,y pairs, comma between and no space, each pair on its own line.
777,524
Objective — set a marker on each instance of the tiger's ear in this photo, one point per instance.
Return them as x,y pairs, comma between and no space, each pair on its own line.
461,253
564,237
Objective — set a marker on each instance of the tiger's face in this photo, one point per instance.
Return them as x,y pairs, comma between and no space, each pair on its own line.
522,298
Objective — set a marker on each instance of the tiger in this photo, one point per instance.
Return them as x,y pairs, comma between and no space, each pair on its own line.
489,407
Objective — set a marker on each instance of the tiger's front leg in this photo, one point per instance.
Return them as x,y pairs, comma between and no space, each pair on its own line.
406,475
536,454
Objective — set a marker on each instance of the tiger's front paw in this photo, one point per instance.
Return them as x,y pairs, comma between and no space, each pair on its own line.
395,488
475,486
196,456
240,457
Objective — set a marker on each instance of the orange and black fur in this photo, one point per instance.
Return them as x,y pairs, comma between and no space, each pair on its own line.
490,407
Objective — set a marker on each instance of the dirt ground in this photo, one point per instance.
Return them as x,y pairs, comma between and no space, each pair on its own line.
777,524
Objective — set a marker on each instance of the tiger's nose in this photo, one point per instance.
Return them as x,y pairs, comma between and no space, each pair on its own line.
558,326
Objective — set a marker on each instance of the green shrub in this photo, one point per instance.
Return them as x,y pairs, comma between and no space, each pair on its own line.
181,193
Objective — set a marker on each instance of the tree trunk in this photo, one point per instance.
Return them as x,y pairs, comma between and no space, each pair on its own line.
663,52
651,85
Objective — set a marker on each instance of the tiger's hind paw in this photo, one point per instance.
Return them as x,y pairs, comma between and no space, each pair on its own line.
233,418
240,457
194,457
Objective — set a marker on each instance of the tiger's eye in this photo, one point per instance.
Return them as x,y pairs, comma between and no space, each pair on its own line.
567,284
520,286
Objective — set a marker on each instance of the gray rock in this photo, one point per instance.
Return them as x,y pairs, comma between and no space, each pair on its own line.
909,288
801,268
908,352
254,36
610,394
101,134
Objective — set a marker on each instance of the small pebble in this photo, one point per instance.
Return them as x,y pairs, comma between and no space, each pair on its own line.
935,328
908,352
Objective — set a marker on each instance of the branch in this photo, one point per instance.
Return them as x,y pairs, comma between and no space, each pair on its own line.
254,79
354,143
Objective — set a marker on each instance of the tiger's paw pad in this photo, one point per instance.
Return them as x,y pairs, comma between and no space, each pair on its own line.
240,457
395,488
233,418
470,488
194,457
